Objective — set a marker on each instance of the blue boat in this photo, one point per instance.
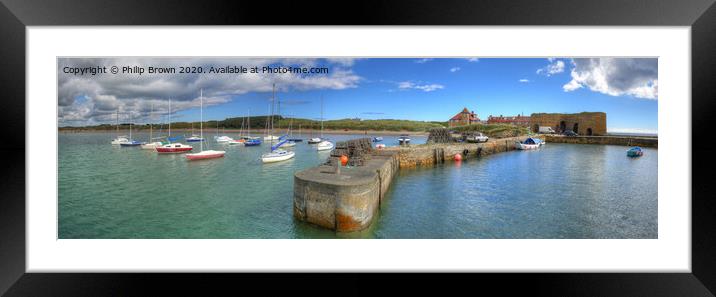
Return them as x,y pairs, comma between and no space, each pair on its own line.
377,139
252,142
635,152
296,139
529,144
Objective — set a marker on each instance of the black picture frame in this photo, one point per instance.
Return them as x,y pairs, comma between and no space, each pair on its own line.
16,15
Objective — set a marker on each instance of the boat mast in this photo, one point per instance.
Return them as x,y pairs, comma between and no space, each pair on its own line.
248,123
130,126
117,122
151,110
273,101
321,117
170,120
201,118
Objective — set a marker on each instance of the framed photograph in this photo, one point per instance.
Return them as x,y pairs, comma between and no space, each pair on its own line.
549,144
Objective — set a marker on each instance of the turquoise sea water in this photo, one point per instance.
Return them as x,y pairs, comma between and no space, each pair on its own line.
560,191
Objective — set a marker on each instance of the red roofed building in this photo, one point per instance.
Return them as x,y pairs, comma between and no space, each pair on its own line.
465,117
518,120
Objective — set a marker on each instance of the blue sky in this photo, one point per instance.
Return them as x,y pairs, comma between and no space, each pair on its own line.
420,89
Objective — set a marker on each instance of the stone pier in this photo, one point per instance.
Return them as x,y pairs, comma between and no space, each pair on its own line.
612,140
431,154
350,200
347,201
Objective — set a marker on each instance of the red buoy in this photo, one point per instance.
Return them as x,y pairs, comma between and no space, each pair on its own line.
344,160
458,157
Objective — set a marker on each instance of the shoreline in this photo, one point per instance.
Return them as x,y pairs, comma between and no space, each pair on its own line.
304,132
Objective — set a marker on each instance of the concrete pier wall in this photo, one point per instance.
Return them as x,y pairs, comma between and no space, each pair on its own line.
613,140
350,200
347,201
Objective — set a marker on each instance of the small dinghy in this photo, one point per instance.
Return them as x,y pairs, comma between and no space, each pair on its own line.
377,139
635,152
529,144
314,140
404,139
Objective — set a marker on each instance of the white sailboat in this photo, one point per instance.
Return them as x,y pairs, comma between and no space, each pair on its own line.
131,142
324,145
120,138
151,144
203,154
223,138
269,125
276,154
194,137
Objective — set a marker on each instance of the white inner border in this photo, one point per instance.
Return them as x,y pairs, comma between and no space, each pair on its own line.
670,252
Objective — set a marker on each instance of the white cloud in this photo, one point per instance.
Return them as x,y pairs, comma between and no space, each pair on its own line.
636,77
406,85
103,94
555,67
524,80
455,69
425,60
473,59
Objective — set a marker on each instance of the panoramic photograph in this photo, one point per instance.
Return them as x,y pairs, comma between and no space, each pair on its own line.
357,148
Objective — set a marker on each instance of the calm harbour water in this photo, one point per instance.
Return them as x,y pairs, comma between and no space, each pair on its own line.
559,191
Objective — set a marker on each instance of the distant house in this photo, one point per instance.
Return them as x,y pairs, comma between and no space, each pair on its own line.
465,117
518,120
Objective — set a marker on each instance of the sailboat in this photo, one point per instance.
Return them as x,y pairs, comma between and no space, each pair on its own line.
203,154
269,125
241,139
324,145
299,139
151,144
194,137
276,154
130,142
172,148
223,138
120,138
288,142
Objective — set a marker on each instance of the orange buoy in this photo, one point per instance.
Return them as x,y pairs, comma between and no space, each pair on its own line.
457,157
344,160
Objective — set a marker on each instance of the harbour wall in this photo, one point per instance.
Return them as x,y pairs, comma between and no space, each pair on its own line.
431,154
350,200
612,140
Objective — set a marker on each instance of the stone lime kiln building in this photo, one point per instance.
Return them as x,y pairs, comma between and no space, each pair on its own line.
463,118
583,123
